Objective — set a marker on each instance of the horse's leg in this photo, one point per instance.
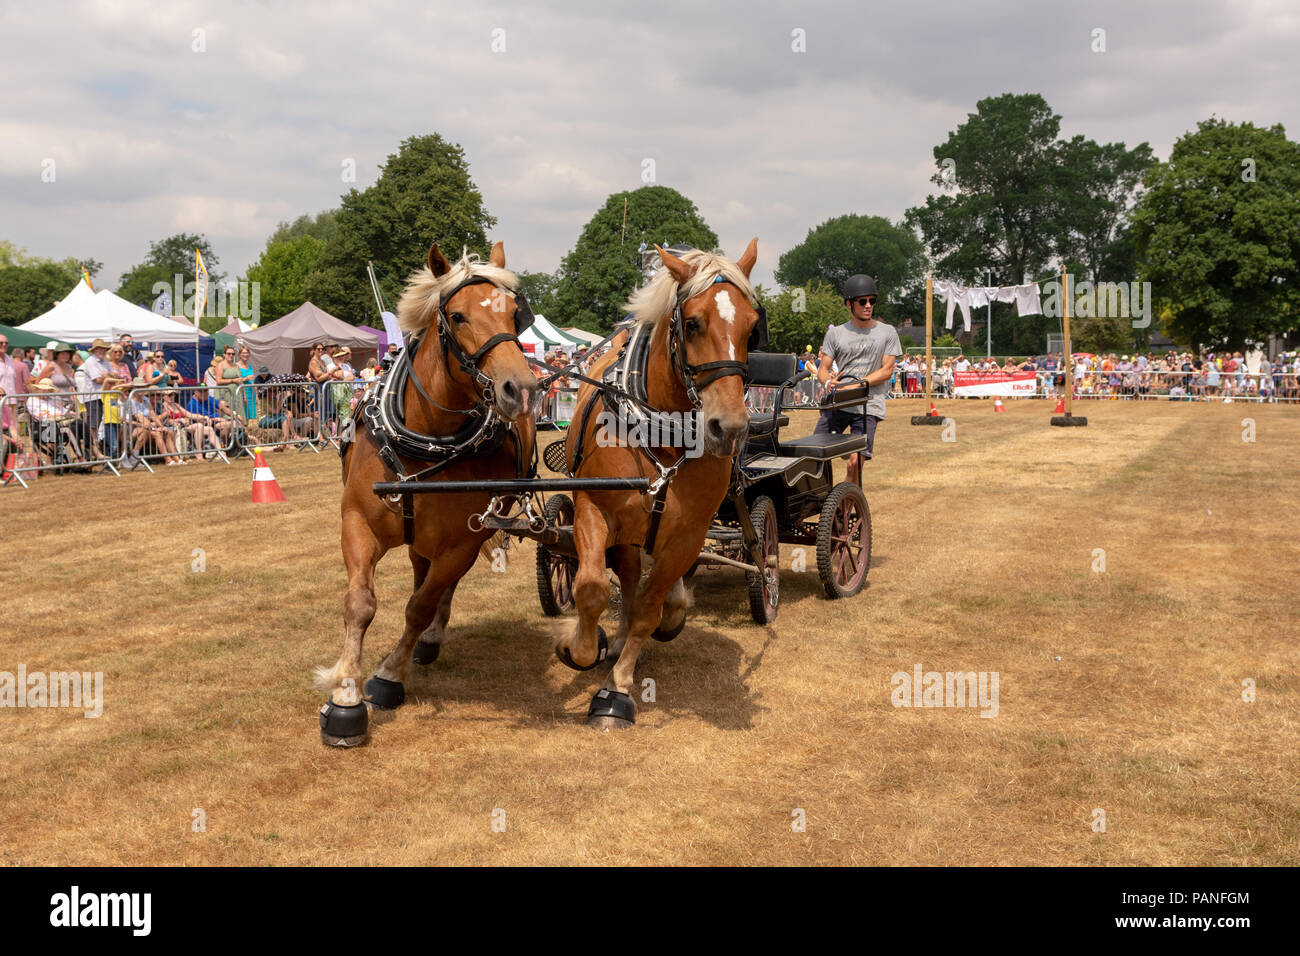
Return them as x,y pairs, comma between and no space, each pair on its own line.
387,687
627,565
673,618
612,708
586,646
343,719
435,635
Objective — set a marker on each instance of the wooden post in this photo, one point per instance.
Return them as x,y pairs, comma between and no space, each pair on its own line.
929,335
1069,354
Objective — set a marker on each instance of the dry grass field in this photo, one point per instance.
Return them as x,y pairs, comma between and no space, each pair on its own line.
1120,690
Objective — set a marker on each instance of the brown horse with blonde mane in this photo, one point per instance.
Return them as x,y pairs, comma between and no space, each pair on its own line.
699,312
468,381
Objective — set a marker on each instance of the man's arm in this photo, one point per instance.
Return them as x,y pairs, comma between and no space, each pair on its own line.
824,371
884,373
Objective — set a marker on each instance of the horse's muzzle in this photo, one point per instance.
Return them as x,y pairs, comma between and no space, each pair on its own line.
724,435
516,397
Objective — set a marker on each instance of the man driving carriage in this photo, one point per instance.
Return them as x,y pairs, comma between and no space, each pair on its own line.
862,349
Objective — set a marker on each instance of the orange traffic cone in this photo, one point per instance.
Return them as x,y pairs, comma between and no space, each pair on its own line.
998,406
1060,406
933,411
266,490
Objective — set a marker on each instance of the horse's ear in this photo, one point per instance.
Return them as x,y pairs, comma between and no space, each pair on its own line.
438,263
498,257
746,261
678,269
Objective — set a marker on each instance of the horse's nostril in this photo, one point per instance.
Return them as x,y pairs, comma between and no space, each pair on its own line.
510,390
716,431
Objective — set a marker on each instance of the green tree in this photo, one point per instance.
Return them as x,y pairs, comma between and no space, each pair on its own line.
604,266
31,288
281,274
798,316
540,289
1001,166
323,226
1097,188
167,259
851,244
424,194
1217,234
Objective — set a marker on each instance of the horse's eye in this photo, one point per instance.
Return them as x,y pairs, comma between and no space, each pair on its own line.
457,317
692,326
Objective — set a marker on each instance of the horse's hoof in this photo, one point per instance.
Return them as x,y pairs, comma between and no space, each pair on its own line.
388,694
567,660
659,634
426,652
342,726
611,710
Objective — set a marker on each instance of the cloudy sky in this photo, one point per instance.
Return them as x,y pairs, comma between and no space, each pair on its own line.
149,137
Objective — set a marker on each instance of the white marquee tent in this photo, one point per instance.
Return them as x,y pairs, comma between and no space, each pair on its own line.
543,335
83,316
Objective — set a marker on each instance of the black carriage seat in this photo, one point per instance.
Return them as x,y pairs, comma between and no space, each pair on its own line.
768,370
822,447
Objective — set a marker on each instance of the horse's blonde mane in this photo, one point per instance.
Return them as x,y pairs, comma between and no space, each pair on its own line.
654,301
419,303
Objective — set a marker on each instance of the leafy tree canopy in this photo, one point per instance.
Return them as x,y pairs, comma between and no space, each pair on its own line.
851,244
598,275
424,194
1217,234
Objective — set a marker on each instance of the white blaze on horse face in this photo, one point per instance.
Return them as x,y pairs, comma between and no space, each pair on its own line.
726,309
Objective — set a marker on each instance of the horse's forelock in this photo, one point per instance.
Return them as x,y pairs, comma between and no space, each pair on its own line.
654,301
418,306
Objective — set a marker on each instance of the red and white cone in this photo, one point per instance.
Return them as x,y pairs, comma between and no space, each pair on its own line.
934,412
266,490
998,406
1060,406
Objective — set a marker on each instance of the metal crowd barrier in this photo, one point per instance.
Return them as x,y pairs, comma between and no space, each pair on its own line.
281,415
61,431
175,423
338,403
555,409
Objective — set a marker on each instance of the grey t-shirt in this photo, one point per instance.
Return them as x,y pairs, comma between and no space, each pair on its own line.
860,352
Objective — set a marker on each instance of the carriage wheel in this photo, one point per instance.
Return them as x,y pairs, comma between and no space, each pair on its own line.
844,541
555,572
764,585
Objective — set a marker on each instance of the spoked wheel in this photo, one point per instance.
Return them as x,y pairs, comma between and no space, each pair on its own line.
844,541
764,585
555,572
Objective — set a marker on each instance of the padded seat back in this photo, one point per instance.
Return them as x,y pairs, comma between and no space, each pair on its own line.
770,368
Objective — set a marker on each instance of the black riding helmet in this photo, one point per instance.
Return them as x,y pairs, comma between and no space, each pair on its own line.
859,285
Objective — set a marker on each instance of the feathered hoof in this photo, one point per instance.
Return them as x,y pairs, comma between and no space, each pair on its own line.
425,652
611,710
342,726
666,635
387,694
566,658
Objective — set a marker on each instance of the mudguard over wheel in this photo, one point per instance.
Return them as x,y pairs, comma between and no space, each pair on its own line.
764,585
844,541
555,572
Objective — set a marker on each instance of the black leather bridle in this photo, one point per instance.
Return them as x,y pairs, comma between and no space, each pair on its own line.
687,372
469,362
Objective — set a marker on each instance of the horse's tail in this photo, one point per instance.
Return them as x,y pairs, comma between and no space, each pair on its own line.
491,544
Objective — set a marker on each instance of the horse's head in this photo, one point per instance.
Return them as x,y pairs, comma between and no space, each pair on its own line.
719,323
478,316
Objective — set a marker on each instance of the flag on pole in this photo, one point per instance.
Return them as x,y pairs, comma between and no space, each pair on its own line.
86,275
200,287
163,304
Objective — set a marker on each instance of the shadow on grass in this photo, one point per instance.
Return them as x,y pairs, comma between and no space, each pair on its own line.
701,674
